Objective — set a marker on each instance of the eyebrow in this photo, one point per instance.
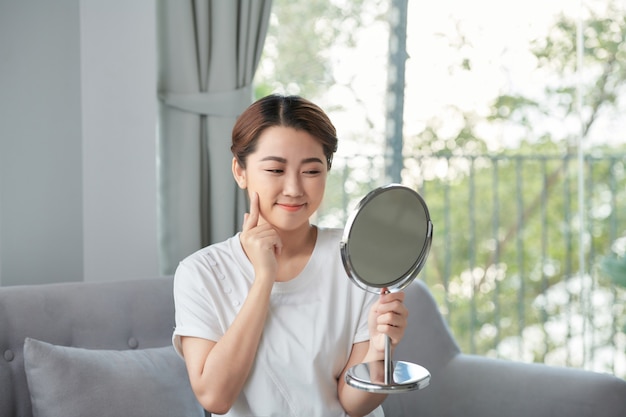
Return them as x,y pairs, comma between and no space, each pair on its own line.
284,161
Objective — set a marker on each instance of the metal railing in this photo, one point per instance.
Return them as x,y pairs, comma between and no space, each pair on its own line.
504,263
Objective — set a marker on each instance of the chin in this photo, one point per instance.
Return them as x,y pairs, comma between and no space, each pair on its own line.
290,226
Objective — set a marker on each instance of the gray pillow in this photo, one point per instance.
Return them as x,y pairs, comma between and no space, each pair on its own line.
69,381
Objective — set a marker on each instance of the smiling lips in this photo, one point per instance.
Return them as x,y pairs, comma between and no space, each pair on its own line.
290,207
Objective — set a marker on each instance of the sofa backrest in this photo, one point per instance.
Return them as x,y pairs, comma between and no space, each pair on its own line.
104,315
140,314
427,338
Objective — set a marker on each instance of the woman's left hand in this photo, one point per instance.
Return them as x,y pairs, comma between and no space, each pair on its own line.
388,316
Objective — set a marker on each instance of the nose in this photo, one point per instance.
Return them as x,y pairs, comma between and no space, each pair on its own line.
292,186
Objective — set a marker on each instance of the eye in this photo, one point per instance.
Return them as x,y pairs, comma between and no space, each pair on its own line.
312,172
275,171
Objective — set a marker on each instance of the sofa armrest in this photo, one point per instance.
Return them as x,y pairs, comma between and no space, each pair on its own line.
477,386
474,386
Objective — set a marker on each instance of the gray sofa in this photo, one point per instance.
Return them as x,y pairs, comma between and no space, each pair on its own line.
103,349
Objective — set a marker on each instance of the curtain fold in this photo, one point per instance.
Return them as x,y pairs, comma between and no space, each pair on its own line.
208,53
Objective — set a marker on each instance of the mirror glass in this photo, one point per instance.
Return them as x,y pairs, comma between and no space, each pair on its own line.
387,238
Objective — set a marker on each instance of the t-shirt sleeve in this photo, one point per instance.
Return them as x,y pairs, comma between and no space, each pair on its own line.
195,312
362,332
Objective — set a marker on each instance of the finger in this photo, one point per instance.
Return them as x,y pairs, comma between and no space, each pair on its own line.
393,313
392,296
391,302
395,308
269,233
252,218
395,331
396,334
278,247
392,319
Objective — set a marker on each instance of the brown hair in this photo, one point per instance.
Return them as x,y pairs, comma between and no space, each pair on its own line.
277,110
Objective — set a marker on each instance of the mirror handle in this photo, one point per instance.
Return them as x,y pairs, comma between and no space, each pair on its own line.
388,361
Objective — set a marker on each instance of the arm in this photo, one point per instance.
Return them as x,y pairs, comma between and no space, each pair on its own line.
218,370
387,316
354,401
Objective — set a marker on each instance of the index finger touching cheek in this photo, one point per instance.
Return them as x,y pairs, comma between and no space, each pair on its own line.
252,219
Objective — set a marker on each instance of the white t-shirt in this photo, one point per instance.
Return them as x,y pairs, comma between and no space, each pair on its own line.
313,321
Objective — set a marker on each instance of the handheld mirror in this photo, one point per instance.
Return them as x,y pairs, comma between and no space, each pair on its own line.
384,247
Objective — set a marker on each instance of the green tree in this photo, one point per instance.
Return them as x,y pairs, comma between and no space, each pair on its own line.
504,261
296,57
507,239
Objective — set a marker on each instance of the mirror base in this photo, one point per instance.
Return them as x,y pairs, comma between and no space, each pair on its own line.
371,377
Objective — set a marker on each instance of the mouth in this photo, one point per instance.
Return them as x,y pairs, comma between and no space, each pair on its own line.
290,207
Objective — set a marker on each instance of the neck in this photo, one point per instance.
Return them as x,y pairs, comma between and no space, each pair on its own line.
298,241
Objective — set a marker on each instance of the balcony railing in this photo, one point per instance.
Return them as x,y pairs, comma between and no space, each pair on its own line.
514,262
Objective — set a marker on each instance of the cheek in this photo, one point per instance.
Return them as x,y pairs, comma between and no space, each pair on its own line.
265,201
321,183
317,189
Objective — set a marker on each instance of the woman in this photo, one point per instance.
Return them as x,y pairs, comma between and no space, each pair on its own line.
267,321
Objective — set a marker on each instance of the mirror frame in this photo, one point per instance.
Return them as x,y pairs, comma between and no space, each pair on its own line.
400,282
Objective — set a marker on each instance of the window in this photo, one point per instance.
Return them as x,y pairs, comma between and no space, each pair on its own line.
515,140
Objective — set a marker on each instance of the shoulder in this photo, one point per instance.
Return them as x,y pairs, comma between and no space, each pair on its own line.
208,255
329,235
217,258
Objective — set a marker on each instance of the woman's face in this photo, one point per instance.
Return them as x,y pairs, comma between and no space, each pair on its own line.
288,171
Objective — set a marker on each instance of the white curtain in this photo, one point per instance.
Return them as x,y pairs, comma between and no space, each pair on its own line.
208,53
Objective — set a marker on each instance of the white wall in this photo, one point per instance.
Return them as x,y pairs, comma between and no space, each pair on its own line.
118,60
77,141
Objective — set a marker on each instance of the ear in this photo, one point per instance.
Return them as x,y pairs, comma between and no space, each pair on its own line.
239,173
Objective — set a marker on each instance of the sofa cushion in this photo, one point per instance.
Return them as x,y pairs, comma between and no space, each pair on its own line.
69,381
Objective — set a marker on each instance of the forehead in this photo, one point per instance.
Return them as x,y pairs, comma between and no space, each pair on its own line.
287,142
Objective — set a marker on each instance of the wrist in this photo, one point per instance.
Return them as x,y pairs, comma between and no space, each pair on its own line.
262,284
373,354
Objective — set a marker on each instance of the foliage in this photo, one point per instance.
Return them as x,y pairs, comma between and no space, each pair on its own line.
505,260
614,264
504,263
301,34
615,267
604,64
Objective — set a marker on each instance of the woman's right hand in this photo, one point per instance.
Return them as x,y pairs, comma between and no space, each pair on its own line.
260,242
218,370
